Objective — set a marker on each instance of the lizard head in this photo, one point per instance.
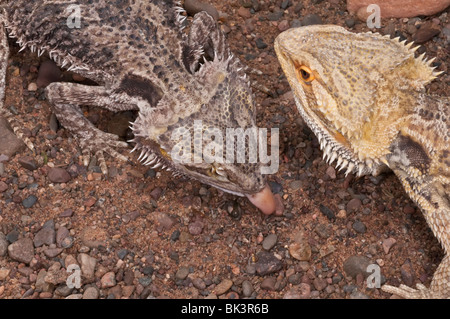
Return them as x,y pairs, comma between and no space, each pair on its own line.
205,129
345,87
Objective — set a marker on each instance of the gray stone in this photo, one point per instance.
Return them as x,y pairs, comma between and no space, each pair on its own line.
199,283
61,234
247,288
41,284
269,241
355,265
267,263
359,227
260,44
182,273
311,19
46,236
3,245
29,201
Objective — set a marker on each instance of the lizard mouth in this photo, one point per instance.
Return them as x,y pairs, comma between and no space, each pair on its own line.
154,156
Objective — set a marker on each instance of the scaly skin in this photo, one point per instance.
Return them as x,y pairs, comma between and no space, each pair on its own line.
363,96
143,60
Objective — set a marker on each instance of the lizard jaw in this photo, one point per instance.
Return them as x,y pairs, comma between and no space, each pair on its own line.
335,150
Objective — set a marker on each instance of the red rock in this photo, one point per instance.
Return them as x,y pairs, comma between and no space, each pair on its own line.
3,186
387,244
399,9
194,6
283,25
58,175
425,33
244,13
108,280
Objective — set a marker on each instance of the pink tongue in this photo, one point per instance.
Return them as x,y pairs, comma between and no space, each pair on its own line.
264,200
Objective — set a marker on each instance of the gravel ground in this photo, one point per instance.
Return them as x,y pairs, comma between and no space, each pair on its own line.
140,233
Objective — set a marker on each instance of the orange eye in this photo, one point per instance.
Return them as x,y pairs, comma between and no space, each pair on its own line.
306,74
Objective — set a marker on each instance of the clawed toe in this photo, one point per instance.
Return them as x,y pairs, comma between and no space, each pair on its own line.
106,144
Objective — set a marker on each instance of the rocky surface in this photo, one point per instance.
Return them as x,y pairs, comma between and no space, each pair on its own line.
399,9
140,233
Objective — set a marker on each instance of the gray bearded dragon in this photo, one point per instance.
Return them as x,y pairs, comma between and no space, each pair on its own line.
363,96
142,59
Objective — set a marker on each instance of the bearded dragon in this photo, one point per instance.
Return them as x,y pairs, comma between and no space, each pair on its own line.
363,96
142,58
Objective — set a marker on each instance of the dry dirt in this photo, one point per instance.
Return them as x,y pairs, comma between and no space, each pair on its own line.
166,237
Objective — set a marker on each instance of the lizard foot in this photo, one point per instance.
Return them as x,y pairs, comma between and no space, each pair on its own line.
102,143
17,129
406,292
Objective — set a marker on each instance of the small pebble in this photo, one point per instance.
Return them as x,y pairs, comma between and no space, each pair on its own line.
387,244
269,283
46,236
353,205
87,265
199,283
108,280
195,228
320,283
311,19
359,227
3,186
29,201
28,162
223,287
300,251
244,13
90,293
58,175
182,273
66,213
269,241
21,250
32,87
267,263
260,44
247,288
355,265
4,272
3,245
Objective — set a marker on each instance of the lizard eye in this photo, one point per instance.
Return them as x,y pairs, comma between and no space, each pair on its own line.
306,74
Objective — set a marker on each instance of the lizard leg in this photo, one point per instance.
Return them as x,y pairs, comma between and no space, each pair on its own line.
429,187
440,285
4,55
205,39
66,99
